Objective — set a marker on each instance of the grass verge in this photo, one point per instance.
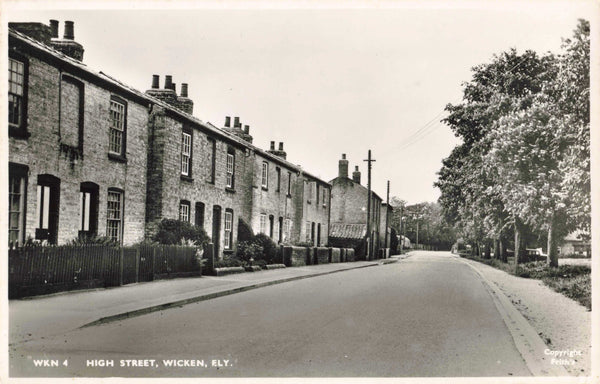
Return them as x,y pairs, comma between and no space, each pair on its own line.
573,281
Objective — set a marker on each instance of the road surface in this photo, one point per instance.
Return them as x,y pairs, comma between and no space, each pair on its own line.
427,315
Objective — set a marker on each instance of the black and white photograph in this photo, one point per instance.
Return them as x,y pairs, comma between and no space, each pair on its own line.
280,191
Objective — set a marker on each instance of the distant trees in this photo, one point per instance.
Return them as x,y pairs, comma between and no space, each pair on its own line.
423,224
524,163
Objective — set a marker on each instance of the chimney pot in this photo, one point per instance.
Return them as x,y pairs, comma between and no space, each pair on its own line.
272,145
155,81
246,129
174,88
343,167
184,90
168,82
356,168
280,146
69,31
227,121
236,122
356,175
54,28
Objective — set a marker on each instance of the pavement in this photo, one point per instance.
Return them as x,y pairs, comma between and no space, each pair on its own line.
45,316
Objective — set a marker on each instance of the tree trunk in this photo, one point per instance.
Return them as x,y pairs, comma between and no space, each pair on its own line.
497,248
502,250
517,242
552,250
487,250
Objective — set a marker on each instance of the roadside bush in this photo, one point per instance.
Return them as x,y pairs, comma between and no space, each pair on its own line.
269,248
248,249
178,232
229,261
245,232
99,240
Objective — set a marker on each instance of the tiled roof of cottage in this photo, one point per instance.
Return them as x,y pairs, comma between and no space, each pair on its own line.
143,96
347,231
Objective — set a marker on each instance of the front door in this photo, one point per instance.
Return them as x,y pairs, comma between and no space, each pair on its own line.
216,230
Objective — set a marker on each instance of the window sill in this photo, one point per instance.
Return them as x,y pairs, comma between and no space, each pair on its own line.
116,157
230,190
186,178
228,251
264,188
18,132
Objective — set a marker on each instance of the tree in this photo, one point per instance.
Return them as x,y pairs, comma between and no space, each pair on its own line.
468,195
543,152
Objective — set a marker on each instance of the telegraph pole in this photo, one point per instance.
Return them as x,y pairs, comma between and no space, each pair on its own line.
387,212
369,160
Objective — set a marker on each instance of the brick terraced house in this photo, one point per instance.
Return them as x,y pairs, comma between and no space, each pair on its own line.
89,155
349,211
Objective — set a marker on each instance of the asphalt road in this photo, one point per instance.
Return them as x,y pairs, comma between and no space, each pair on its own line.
427,315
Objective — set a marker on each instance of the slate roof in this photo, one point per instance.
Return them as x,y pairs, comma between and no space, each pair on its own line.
348,231
143,96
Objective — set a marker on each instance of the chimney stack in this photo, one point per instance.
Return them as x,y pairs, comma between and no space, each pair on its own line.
168,82
69,31
343,167
236,122
227,121
54,29
155,81
247,129
67,45
356,175
272,146
184,90
280,146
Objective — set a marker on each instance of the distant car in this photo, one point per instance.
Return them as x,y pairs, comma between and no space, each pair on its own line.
535,254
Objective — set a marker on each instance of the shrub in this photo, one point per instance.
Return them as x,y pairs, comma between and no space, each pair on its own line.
177,232
244,231
270,250
94,239
249,249
229,261
393,242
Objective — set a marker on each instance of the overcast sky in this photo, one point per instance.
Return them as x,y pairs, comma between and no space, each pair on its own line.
323,81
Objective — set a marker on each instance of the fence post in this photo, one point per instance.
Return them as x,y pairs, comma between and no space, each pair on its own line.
282,254
120,266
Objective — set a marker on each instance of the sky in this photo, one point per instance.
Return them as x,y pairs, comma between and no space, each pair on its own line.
322,80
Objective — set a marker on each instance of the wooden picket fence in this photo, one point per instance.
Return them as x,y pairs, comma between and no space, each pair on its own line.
36,270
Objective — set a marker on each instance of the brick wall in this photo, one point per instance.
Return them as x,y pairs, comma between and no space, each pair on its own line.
43,153
167,186
274,199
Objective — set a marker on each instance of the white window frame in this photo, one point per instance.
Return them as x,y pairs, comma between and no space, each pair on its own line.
114,215
263,223
186,153
308,231
117,127
184,211
228,229
265,175
16,209
230,168
16,87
